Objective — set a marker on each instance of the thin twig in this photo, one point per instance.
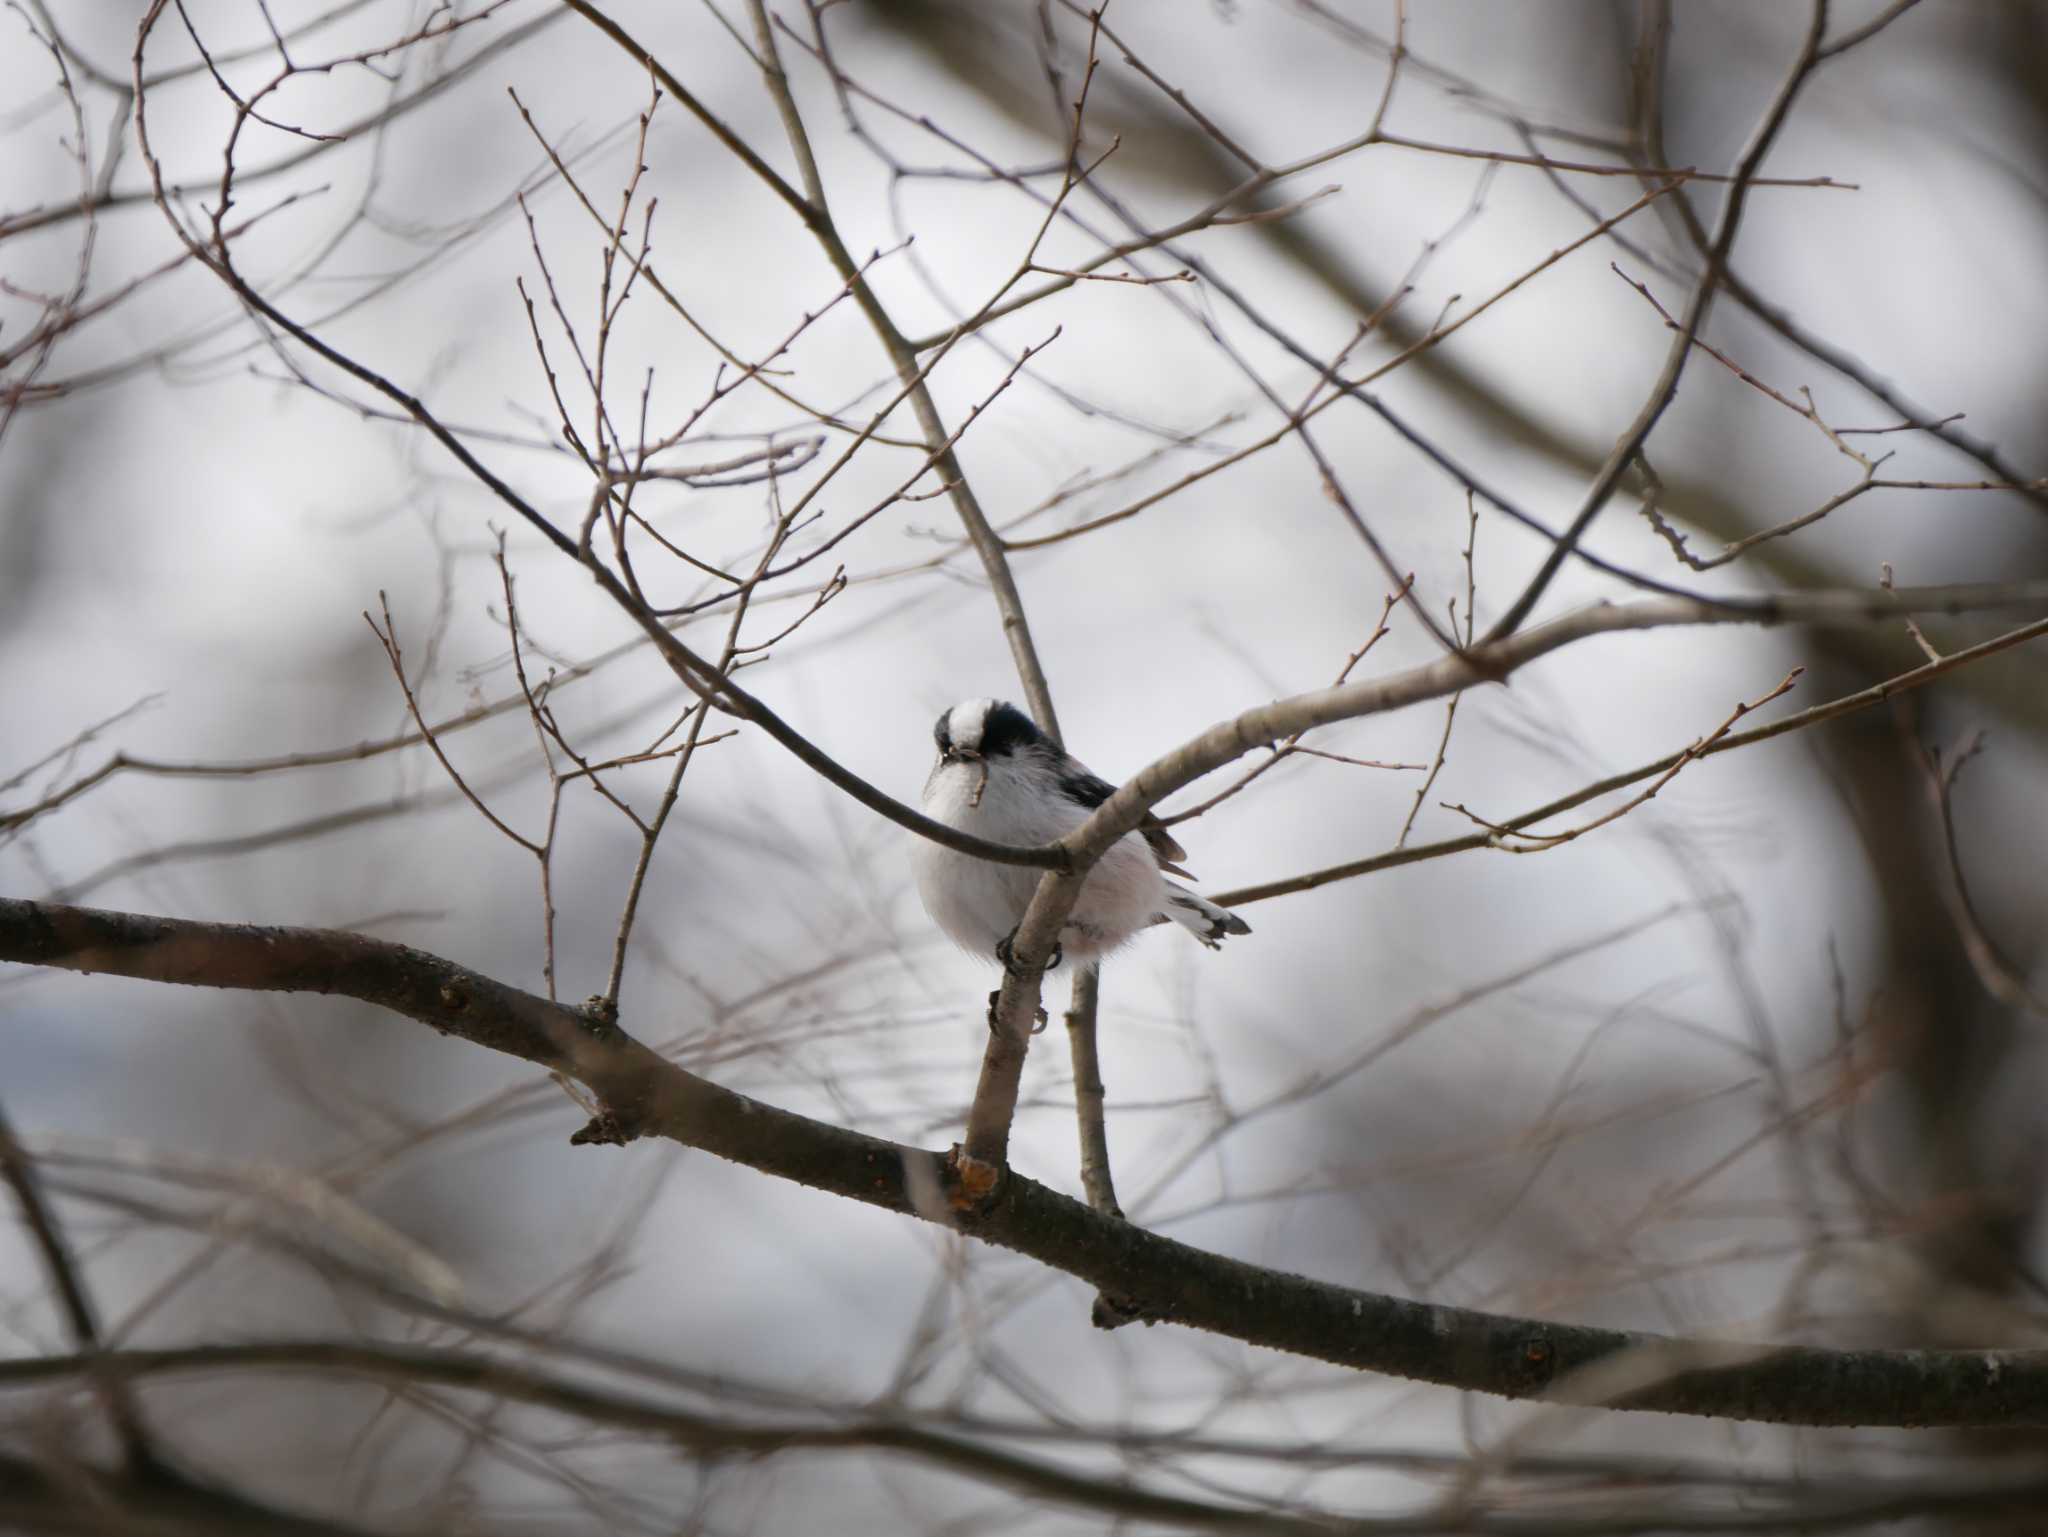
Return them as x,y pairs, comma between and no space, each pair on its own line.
388,638
1833,709
2000,978
1632,439
74,1301
1515,841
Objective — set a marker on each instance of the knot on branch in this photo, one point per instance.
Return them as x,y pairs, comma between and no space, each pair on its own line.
1114,1312
1531,1363
972,1183
606,1129
601,1016
1487,662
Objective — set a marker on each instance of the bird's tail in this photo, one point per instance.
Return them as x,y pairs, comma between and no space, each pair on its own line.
1201,917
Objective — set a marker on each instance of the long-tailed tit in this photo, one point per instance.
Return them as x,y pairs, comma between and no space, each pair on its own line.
1001,778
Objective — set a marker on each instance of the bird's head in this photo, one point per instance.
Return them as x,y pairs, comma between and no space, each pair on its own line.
984,730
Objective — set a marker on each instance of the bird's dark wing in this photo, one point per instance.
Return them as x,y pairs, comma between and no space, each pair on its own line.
1091,790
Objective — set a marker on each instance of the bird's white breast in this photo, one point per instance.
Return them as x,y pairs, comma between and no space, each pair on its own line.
978,903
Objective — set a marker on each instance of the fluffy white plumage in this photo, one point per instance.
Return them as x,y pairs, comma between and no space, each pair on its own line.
1001,778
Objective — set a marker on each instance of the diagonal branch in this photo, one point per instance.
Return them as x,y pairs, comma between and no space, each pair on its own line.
81,1318
644,1094
1492,660
695,671
2000,978
1631,442
1832,709
809,206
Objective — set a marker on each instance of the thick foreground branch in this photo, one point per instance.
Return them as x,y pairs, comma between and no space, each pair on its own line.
646,1095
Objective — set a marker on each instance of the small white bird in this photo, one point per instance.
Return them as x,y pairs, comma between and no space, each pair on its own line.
1001,778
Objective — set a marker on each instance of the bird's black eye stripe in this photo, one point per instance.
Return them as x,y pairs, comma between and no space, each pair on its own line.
1008,728
940,735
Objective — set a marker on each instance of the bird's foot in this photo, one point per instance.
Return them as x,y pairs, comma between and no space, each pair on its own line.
994,1003
1006,952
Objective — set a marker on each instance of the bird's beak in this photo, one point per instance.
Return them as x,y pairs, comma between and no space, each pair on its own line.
961,755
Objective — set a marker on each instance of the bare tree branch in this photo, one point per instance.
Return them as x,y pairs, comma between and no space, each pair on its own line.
1833,709
645,1095
1631,441
1490,661
81,1317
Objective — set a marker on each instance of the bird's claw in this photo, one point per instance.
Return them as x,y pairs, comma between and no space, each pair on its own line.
995,1000
1006,952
